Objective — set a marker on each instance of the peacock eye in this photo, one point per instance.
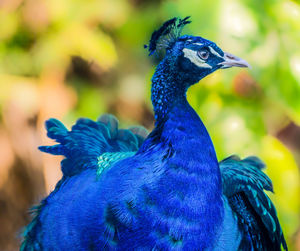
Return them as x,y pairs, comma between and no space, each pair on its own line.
203,54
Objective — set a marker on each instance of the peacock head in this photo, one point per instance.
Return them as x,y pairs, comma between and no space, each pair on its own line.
191,58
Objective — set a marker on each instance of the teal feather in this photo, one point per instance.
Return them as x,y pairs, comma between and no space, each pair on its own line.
106,160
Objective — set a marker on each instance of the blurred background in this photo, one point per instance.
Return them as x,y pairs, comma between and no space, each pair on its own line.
77,58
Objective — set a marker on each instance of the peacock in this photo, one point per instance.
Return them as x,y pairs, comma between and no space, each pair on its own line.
125,189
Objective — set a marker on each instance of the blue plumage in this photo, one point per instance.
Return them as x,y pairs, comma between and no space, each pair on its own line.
126,190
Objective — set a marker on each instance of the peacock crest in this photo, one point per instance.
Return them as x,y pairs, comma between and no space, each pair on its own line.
166,35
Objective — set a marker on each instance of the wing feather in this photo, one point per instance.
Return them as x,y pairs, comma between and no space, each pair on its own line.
88,140
244,183
88,145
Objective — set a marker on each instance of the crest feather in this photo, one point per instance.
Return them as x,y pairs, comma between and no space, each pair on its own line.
167,34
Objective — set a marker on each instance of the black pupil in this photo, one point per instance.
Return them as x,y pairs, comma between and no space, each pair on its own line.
203,54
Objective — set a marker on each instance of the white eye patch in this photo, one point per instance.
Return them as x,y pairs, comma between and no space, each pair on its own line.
193,57
213,51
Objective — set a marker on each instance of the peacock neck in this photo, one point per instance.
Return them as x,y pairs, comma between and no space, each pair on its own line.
176,121
189,156
165,92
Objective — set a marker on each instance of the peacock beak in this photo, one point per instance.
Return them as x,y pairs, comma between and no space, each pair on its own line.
233,61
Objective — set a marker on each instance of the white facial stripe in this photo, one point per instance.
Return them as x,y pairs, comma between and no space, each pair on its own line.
212,50
198,44
192,56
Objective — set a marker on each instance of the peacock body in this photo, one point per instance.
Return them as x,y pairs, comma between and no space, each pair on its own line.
125,190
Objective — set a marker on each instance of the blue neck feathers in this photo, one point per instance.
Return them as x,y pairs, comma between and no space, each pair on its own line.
166,92
191,160
176,121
